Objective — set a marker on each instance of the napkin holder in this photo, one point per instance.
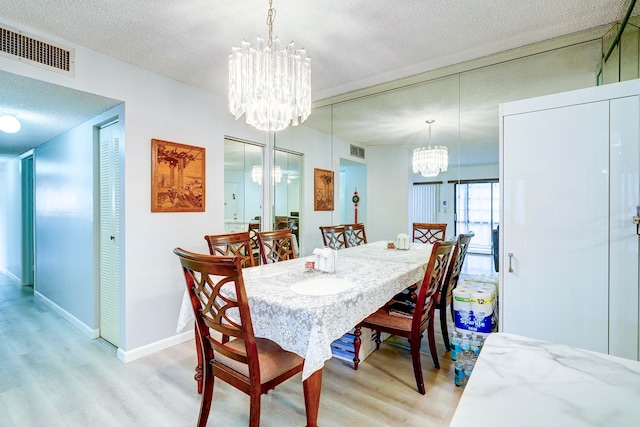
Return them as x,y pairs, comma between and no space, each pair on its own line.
326,259
402,242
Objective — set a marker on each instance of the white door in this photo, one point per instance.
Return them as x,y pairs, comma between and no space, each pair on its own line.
624,200
110,234
555,225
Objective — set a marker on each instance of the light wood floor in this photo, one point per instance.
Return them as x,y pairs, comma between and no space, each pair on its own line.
52,375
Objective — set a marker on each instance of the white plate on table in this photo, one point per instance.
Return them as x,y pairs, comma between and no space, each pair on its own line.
263,271
322,286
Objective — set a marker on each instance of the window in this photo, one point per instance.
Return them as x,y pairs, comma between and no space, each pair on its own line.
426,198
477,209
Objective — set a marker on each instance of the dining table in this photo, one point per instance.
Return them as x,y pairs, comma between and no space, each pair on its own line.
304,309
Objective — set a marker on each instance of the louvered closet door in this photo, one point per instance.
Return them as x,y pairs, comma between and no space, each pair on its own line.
110,234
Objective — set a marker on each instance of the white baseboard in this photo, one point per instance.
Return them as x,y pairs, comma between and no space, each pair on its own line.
123,356
146,350
15,279
91,333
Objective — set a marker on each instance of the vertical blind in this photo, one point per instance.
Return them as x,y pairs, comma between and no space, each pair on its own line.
426,198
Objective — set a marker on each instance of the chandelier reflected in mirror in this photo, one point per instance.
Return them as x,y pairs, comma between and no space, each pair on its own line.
269,84
256,174
430,161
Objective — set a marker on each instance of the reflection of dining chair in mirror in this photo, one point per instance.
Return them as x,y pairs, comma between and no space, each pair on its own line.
355,235
254,229
234,244
406,321
250,364
445,296
282,222
428,233
276,246
333,236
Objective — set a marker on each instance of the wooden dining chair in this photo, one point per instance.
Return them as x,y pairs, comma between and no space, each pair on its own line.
276,246
449,283
334,236
428,233
355,235
254,229
234,244
219,301
411,324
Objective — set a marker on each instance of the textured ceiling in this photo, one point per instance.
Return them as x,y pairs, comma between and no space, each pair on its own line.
352,43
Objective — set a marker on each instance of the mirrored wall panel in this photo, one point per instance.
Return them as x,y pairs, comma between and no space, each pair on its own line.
287,191
243,181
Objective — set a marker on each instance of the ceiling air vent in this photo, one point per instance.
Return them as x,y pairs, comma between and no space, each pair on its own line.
20,46
357,151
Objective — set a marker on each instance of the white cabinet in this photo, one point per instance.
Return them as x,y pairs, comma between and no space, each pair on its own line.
569,176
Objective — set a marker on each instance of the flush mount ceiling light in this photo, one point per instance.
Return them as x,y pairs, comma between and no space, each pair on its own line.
9,124
270,85
430,161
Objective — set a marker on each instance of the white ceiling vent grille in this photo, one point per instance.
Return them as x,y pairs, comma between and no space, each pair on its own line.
20,46
357,151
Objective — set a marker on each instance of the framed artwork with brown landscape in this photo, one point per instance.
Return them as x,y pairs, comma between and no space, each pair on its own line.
177,177
322,190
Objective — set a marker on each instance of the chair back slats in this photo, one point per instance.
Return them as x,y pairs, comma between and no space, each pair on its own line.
276,246
219,303
440,257
334,236
254,229
428,233
453,272
355,235
234,244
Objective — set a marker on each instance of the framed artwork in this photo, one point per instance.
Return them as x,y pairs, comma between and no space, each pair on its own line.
177,177
322,190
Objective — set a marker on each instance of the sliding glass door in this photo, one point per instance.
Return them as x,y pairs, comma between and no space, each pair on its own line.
477,209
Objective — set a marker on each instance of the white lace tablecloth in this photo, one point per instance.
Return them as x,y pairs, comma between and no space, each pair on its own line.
417,252
308,324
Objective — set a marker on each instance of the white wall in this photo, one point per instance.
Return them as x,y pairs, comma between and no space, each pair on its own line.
11,219
65,220
155,107
388,193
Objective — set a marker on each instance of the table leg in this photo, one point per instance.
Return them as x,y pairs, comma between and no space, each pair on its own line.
312,387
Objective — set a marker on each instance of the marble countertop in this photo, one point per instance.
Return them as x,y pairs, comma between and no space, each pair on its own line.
519,381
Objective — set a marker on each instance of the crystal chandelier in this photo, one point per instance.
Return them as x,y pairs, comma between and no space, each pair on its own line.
430,161
271,86
256,174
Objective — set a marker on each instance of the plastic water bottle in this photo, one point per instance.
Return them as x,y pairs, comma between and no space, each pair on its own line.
465,343
459,372
455,340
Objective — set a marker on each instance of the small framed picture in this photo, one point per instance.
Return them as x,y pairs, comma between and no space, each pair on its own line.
322,190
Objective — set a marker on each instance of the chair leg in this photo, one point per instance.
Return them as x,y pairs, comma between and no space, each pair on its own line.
417,364
432,345
254,408
356,347
378,334
444,327
207,394
199,366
